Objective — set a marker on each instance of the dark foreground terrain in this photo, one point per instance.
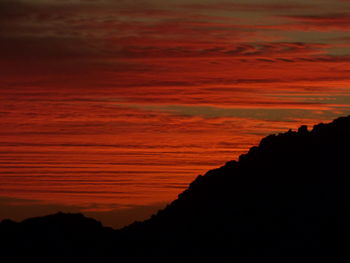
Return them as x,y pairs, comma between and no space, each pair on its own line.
287,200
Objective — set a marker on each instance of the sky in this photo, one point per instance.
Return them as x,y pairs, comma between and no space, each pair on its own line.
112,107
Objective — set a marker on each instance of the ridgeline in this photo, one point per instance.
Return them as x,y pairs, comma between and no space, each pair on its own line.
286,200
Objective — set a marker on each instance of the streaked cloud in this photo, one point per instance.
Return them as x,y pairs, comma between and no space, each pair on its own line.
125,102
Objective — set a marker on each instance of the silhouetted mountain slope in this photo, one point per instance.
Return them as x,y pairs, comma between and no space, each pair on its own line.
286,200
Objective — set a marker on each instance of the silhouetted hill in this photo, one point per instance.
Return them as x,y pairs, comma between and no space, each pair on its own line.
54,238
286,200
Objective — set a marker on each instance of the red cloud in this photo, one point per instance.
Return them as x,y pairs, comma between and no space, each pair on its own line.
338,21
98,98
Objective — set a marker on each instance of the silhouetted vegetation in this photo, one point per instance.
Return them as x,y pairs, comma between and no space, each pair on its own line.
286,200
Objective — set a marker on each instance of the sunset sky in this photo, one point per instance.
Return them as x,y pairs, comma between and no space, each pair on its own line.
113,107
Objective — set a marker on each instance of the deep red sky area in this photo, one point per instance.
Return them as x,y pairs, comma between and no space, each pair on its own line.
113,107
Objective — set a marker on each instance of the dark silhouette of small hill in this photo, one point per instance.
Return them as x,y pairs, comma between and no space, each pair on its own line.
59,237
286,200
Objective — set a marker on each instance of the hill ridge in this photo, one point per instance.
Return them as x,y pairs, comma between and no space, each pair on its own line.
285,200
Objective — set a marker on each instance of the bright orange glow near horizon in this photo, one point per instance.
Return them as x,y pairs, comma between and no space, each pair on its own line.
113,107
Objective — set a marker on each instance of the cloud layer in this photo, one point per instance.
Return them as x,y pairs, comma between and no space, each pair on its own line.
125,102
